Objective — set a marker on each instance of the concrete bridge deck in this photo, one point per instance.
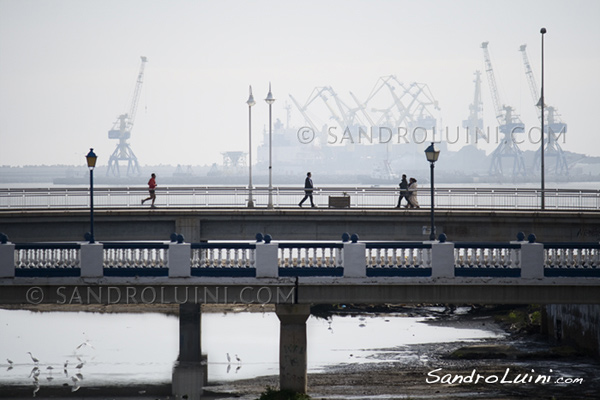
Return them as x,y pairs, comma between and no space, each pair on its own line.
199,224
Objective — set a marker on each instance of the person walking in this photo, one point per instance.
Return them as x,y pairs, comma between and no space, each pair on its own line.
308,190
403,190
412,194
151,190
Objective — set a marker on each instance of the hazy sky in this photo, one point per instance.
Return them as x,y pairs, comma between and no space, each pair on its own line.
68,67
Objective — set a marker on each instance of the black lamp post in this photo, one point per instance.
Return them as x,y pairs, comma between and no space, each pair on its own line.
91,162
250,103
432,155
543,202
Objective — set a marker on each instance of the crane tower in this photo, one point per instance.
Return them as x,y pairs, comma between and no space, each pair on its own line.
552,124
121,131
509,125
474,124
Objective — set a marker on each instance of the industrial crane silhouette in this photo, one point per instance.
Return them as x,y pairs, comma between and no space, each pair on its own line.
474,124
509,125
552,124
121,131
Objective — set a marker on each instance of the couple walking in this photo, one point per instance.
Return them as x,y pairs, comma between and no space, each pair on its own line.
408,191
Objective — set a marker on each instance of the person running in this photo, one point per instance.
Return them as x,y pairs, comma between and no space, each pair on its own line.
151,190
308,190
403,190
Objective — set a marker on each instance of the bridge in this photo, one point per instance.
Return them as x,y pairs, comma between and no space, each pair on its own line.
294,275
394,264
202,214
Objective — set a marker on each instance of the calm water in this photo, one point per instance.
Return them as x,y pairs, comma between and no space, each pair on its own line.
141,348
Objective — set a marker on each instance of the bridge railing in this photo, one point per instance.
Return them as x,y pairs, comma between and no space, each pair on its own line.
357,197
266,259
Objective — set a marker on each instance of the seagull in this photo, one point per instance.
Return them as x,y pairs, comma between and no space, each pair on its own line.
66,363
86,343
238,359
35,360
228,358
80,365
9,362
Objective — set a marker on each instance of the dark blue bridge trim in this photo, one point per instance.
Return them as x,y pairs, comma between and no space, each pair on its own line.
311,271
397,245
571,245
572,272
131,272
486,245
310,245
47,246
226,245
225,272
134,245
488,272
46,272
409,272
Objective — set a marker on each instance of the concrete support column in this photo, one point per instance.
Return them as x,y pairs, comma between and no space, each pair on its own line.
292,346
91,260
266,260
179,260
532,260
190,332
189,379
354,260
442,260
7,260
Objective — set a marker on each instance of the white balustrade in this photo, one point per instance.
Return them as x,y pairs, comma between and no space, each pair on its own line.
446,260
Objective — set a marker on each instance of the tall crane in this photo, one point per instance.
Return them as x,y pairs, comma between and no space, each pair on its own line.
552,124
474,124
121,131
509,125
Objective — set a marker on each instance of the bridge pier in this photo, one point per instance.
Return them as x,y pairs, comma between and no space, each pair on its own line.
190,373
292,346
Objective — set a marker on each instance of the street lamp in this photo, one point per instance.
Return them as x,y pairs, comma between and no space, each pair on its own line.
543,203
270,100
91,162
250,103
432,155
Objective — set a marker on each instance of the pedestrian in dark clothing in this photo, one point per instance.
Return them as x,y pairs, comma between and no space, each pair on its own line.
403,190
308,190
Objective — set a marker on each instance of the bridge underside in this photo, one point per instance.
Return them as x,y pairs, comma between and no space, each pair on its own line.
294,224
477,291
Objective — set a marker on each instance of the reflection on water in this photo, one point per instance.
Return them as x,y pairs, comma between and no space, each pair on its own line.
80,349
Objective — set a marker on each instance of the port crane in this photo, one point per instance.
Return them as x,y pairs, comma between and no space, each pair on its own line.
552,124
474,124
121,131
510,124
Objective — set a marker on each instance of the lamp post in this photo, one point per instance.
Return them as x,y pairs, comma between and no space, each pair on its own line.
432,155
543,202
270,100
250,103
91,162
